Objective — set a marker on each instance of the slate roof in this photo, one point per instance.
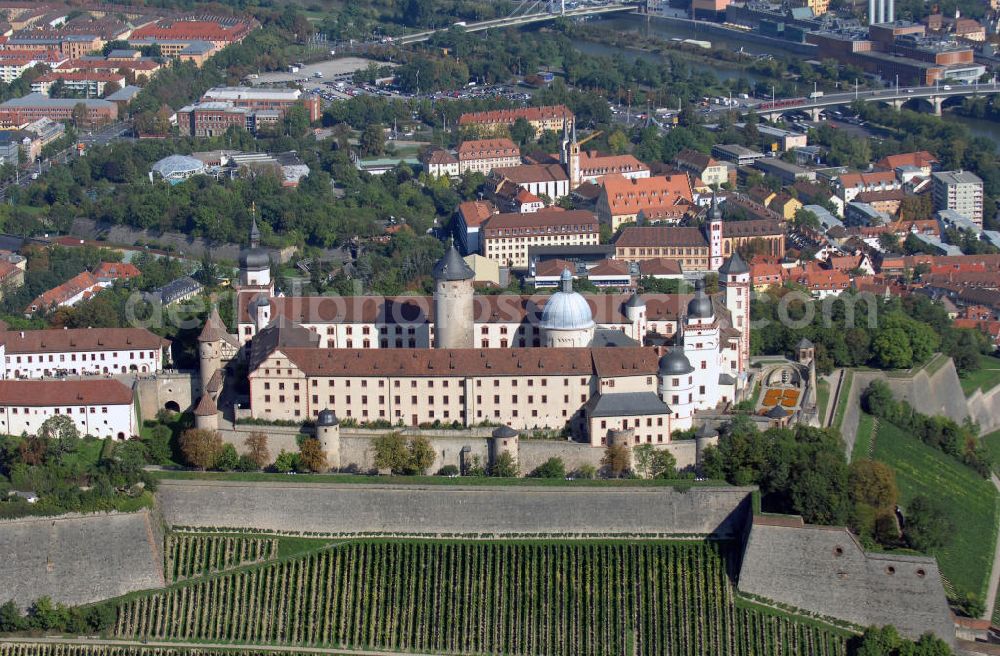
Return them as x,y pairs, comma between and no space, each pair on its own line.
628,403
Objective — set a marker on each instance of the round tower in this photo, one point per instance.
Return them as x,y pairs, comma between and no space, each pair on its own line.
328,434
504,440
453,302
624,437
734,276
567,320
715,235
676,387
206,414
635,312
704,438
209,347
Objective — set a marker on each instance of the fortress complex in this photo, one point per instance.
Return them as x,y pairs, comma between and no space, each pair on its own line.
564,361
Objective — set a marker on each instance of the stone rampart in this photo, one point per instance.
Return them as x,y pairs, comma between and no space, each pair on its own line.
175,387
454,510
984,408
78,559
824,570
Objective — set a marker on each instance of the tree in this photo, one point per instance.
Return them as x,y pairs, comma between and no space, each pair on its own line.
505,466
110,88
312,456
551,468
643,456
228,459
873,483
46,615
421,455
287,461
257,451
521,132
892,350
618,142
79,114
60,431
391,452
372,140
927,525
664,464
200,447
616,459
11,618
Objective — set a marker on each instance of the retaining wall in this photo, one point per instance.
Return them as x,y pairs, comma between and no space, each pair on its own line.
445,509
78,559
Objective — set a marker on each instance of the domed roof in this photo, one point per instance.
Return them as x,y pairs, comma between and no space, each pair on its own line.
176,166
706,431
453,267
635,301
567,309
505,432
327,418
700,307
254,258
777,412
675,363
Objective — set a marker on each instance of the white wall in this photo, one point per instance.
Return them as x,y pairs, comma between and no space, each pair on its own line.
112,421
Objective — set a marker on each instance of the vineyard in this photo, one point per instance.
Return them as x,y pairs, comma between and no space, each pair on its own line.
40,649
587,598
190,556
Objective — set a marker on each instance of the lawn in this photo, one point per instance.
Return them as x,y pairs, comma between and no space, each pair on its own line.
87,453
479,481
992,444
985,379
866,433
971,501
822,398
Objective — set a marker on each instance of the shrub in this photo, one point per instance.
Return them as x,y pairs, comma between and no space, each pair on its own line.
551,468
448,470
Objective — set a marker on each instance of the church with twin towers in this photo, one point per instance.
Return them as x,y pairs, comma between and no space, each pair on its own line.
587,366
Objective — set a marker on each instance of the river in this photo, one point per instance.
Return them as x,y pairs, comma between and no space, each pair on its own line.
673,30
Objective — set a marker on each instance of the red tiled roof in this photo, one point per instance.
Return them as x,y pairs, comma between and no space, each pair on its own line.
81,282
487,149
47,393
509,116
199,30
475,212
871,179
527,173
553,268
625,196
660,266
609,268
117,271
81,339
660,236
95,76
920,159
595,164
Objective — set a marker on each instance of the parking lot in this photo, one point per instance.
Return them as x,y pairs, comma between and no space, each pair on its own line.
331,70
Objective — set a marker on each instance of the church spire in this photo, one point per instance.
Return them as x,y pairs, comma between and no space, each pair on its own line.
254,231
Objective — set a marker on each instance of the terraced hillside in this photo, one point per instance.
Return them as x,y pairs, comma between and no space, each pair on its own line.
509,597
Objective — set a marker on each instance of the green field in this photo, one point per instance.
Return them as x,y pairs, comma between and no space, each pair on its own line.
28,648
865,435
511,597
970,500
992,444
985,379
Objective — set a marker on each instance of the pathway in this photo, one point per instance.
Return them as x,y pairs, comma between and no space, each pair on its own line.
834,381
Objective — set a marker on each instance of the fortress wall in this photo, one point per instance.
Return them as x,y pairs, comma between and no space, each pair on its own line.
823,569
937,394
438,510
78,559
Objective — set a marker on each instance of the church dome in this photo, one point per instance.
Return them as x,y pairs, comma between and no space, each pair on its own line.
567,309
700,307
675,363
254,258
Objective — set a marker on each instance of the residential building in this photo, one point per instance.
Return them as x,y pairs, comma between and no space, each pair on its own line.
594,167
438,162
786,206
221,32
961,191
79,352
506,237
89,83
887,202
622,200
709,170
100,408
175,291
921,160
554,118
109,272
11,277
78,288
849,185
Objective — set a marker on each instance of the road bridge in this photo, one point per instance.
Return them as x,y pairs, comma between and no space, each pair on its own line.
897,96
515,21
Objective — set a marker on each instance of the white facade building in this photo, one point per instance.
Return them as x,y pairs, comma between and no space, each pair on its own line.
101,408
36,354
